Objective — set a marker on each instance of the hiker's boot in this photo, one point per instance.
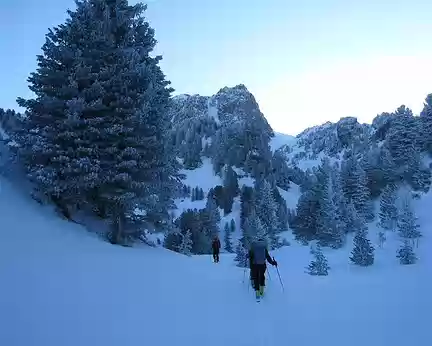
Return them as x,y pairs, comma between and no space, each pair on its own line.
261,291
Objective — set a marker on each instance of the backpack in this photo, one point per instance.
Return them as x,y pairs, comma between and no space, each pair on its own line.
259,252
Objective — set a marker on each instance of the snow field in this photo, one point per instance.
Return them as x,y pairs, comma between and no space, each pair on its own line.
63,286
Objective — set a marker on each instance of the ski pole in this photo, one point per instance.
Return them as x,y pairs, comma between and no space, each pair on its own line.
280,279
244,274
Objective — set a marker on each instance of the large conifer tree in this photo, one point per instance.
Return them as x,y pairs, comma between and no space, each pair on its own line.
95,131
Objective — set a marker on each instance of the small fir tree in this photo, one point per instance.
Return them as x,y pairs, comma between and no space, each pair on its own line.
186,243
241,256
406,254
407,225
363,251
227,238
388,213
318,266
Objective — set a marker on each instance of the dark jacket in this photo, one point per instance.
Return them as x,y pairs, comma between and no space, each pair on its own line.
216,244
268,258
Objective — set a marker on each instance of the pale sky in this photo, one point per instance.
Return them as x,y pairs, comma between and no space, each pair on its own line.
306,62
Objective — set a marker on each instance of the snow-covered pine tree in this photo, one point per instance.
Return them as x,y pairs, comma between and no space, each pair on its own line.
254,229
200,194
406,254
318,266
338,196
282,214
231,188
403,110
212,208
374,172
197,223
390,171
232,226
256,137
266,209
282,210
227,238
352,220
427,107
185,246
331,228
241,256
193,148
247,203
281,171
362,198
306,217
173,237
94,135
185,191
197,194
426,124
354,184
407,224
402,139
363,251
417,175
388,213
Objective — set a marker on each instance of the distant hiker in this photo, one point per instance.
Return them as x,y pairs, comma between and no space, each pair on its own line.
258,254
216,247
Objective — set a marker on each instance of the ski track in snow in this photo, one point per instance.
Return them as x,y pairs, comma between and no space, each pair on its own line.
62,286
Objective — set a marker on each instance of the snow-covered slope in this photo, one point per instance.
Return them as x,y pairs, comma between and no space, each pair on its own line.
281,139
302,152
307,149
62,286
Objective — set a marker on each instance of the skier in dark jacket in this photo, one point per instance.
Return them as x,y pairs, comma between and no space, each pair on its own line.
216,247
258,254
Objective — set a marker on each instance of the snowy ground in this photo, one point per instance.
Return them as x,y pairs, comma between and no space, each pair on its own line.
63,286
281,139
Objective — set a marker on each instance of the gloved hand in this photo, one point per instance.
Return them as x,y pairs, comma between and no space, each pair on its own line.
274,263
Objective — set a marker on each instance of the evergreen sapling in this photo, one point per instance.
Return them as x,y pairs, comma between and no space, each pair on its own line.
185,246
363,251
227,238
406,254
407,225
318,266
241,256
266,210
388,213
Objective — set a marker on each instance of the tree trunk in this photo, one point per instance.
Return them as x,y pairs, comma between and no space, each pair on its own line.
117,236
119,229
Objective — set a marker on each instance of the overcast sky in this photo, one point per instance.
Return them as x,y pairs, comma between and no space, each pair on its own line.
306,62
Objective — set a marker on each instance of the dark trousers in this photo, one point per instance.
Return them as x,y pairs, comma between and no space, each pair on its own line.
216,255
258,275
